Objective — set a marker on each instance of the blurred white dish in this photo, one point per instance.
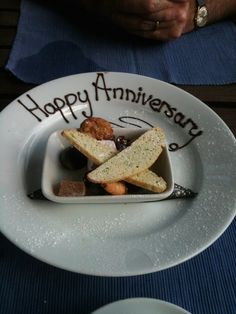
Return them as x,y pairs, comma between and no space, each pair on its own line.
141,306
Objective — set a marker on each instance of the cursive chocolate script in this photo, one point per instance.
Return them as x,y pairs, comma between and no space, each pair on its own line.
100,90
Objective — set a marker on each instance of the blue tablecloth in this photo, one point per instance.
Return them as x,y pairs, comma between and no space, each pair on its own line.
50,44
58,40
203,285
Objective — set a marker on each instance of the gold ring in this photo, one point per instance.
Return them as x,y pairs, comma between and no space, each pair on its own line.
157,24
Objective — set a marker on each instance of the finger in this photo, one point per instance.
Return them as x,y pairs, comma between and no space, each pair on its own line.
144,7
137,6
167,34
166,31
170,12
133,23
137,23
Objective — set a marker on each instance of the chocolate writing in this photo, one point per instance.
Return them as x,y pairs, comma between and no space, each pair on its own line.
68,105
156,104
59,105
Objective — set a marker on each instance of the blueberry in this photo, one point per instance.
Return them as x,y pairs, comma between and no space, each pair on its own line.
72,159
121,143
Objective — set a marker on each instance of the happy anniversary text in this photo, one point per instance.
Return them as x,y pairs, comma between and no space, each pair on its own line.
102,90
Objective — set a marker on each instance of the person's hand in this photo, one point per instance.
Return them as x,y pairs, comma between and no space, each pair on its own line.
153,19
159,20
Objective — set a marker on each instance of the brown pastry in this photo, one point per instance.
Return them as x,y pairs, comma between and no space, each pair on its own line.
98,128
71,188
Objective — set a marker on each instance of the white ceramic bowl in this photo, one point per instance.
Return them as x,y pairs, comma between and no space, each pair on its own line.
54,172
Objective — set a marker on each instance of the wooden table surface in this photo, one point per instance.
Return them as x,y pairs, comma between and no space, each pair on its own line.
222,99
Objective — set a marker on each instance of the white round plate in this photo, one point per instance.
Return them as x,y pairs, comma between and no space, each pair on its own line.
116,239
141,306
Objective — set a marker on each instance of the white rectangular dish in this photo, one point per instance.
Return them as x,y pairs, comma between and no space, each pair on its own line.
54,173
